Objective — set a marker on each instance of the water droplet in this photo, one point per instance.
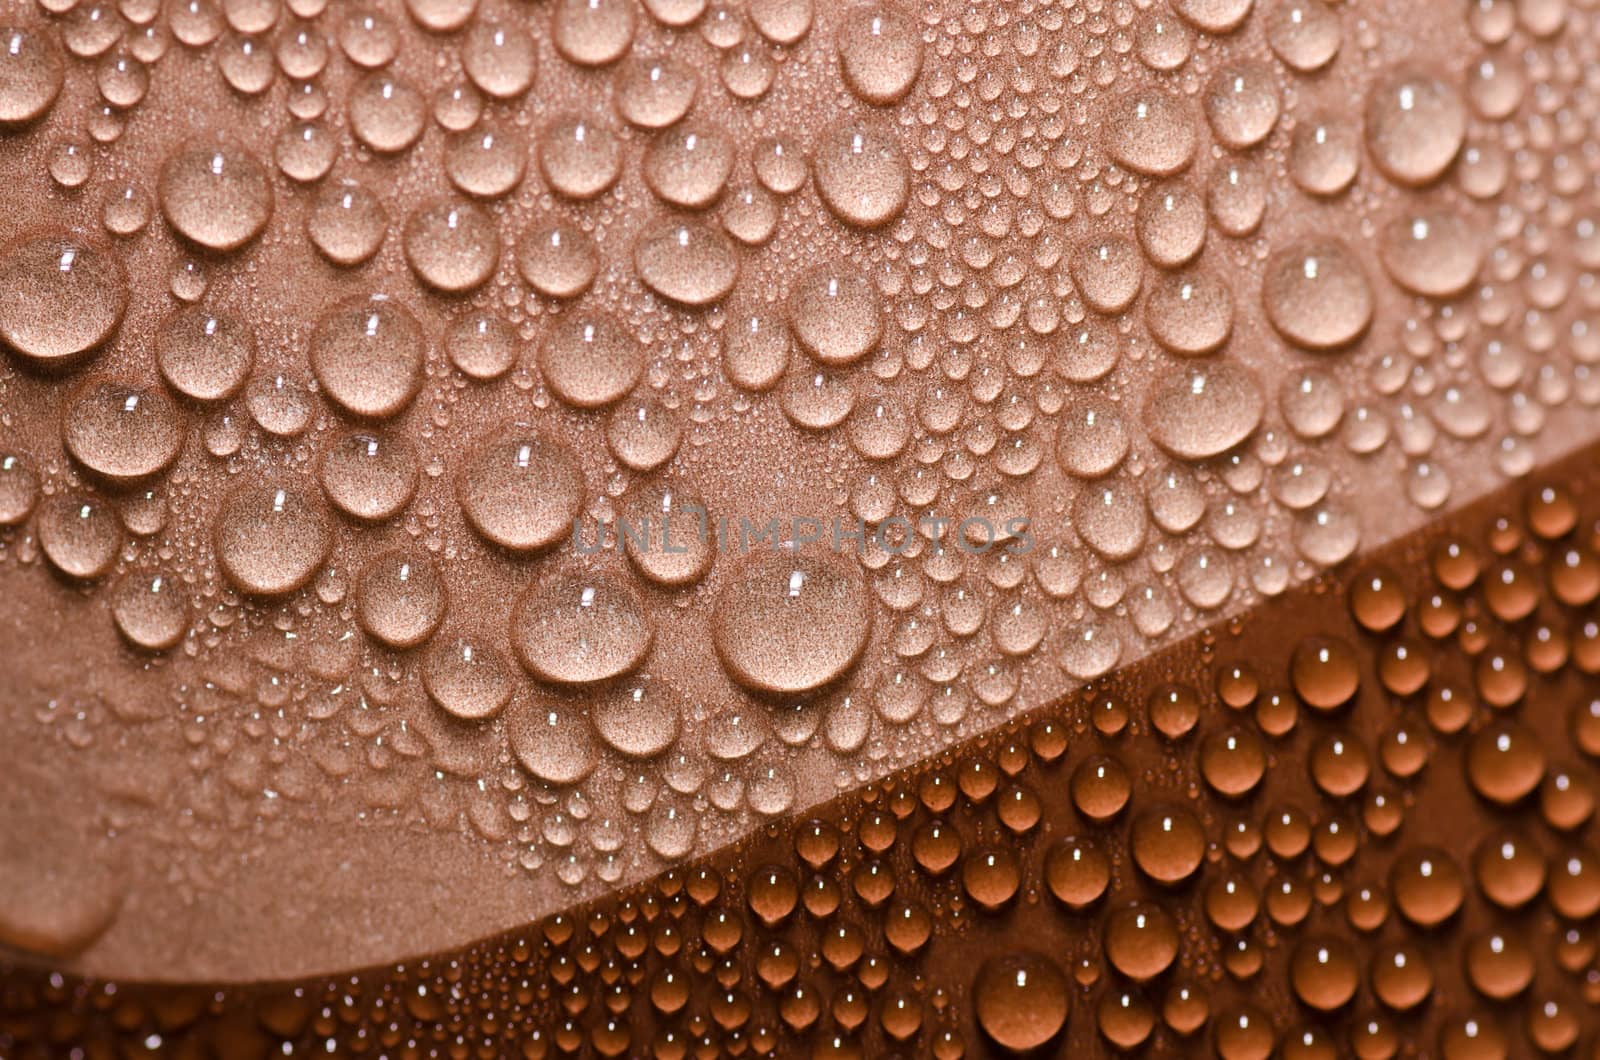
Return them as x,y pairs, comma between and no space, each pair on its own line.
203,355
123,433
835,314
1416,125
558,260
1214,16
468,679
19,489
1199,412
369,477
32,70
499,58
639,718
643,433
552,741
593,32
59,297
755,350
1172,225
1242,105
387,114
1435,254
271,537
1316,295
861,173
347,223
654,93
685,262
791,620
667,533
80,536
452,246
486,163
481,345
367,354
579,628
215,195
579,157
589,360
1304,34
688,166
880,52
1149,133
150,610
1190,313
1021,1001
400,599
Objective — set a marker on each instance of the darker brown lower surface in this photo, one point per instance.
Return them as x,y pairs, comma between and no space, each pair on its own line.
1356,821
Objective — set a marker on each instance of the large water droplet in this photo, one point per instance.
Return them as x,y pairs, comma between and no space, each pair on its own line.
123,433
589,359
367,354
204,355
1149,133
215,195
686,262
150,610
59,296
80,536
32,70
861,173
1416,125
400,599
791,620
271,537
452,246
580,628
1316,295
521,491
1436,254
1199,412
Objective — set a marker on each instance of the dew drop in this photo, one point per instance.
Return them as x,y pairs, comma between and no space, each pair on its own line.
346,223
1198,412
579,628
686,262
217,196
880,52
32,70
122,433
861,173
369,477
59,297
80,536
589,360
1149,133
1316,295
790,621
400,599
558,260
367,354
271,537
468,679
521,491
150,611
1416,125
552,741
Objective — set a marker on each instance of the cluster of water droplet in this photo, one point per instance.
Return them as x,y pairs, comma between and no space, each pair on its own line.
1358,821
1138,274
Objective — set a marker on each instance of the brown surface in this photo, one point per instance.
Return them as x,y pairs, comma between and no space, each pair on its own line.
252,754
1277,876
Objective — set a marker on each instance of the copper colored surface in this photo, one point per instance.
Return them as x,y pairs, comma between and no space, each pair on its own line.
323,326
